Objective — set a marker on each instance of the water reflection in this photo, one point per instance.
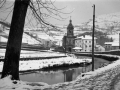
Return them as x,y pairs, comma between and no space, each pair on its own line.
68,75
52,77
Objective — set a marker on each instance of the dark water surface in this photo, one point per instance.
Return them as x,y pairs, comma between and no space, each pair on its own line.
53,77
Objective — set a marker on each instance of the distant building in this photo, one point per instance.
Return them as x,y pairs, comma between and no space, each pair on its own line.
115,45
111,46
69,39
84,43
108,46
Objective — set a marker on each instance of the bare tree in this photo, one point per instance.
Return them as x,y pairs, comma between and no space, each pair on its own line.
41,10
12,55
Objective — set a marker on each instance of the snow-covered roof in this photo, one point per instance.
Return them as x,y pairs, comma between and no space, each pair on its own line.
88,37
79,37
108,42
77,48
98,45
85,37
115,44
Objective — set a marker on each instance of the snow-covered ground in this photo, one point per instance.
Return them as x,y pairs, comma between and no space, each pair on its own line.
39,64
100,79
26,54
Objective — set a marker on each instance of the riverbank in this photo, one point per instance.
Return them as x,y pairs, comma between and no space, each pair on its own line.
49,63
100,79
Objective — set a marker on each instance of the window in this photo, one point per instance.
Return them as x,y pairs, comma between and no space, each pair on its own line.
89,41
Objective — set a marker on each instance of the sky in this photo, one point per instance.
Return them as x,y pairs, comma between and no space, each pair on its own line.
79,10
83,10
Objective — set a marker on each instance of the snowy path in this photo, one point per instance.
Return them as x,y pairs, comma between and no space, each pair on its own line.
116,83
103,81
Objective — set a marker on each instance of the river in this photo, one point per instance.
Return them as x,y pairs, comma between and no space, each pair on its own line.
53,77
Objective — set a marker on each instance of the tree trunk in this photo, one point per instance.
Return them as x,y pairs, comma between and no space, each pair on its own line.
12,55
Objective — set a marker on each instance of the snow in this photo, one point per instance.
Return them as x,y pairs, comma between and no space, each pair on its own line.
100,79
39,64
108,43
86,37
77,48
26,38
100,70
28,54
114,43
3,39
41,54
115,37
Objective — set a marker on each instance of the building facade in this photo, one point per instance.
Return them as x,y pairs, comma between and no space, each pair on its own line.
108,46
69,38
111,46
85,43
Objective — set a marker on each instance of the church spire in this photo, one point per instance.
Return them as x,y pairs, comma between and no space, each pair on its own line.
70,26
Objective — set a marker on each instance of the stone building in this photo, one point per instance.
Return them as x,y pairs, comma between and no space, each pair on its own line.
69,38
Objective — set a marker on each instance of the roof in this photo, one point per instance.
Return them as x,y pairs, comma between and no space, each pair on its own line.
115,44
108,42
77,48
70,26
79,37
85,37
88,37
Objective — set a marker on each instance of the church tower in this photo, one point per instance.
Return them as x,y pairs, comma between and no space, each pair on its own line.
70,29
69,39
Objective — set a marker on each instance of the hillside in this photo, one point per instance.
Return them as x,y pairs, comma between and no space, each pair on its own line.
107,28
108,23
105,25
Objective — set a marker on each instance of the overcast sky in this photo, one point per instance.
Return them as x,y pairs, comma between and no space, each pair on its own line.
82,10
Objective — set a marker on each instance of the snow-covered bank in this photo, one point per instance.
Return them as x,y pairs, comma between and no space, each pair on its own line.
39,64
100,79
26,54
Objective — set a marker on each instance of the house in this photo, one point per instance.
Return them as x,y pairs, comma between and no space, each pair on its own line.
108,46
85,42
115,45
111,45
